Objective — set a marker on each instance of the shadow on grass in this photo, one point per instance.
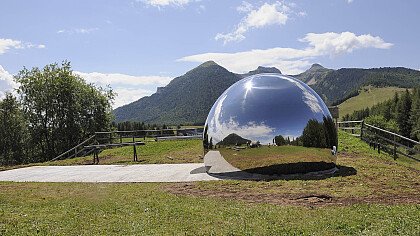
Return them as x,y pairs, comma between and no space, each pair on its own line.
302,171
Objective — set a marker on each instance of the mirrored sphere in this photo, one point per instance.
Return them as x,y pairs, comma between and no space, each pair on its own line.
269,124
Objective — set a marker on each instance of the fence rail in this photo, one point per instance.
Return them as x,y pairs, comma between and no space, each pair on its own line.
382,139
116,138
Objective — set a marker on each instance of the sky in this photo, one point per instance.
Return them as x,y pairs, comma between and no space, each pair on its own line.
136,46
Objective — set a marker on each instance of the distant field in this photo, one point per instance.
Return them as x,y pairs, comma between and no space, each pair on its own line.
368,97
370,195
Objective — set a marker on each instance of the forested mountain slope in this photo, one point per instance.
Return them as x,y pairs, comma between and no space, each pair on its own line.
335,86
187,99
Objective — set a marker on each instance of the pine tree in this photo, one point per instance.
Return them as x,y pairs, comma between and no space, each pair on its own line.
403,114
415,114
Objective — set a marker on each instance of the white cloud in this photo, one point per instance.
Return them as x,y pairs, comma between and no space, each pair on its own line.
77,31
291,60
254,131
6,82
7,44
128,95
349,1
129,88
266,15
163,3
302,13
245,7
123,79
335,44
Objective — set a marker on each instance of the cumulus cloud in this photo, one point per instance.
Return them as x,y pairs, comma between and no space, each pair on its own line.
163,3
128,95
6,82
292,60
338,43
265,15
252,130
77,31
123,79
129,88
7,44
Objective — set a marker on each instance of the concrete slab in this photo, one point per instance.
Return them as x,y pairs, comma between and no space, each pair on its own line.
110,173
218,167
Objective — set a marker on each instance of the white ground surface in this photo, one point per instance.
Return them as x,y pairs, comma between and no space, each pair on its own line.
110,173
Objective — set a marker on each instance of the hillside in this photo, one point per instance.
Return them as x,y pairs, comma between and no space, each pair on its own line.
187,99
335,86
368,96
314,74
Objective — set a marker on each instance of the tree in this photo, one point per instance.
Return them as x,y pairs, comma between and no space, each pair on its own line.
415,114
381,122
279,140
62,109
403,114
314,134
331,137
13,132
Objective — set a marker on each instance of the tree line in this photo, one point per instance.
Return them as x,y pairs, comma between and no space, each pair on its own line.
52,110
400,114
315,134
138,125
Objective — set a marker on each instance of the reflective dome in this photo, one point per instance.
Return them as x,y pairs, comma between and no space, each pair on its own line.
269,124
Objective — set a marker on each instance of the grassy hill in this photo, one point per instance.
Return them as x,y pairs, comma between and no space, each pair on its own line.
368,96
371,195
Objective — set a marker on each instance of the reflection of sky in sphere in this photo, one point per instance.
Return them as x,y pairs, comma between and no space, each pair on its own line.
262,106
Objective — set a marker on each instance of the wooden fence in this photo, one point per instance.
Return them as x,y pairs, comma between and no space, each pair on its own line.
123,138
382,140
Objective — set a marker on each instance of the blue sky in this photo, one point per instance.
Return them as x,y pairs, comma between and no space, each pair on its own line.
136,46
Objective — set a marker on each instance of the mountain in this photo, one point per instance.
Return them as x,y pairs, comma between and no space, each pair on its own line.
187,99
260,70
335,86
313,74
233,139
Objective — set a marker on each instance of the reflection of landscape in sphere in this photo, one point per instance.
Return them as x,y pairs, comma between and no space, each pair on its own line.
264,110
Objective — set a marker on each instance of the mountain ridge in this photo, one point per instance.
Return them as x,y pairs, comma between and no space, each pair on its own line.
188,98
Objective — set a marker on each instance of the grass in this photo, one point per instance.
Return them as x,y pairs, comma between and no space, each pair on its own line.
368,97
145,209
244,159
174,151
279,159
379,198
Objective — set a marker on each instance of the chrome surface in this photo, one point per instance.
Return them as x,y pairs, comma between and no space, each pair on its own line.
271,124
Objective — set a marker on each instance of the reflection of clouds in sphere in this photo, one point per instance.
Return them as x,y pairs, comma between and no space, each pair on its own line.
265,109
262,106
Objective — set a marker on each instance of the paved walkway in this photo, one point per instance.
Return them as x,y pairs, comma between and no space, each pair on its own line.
110,173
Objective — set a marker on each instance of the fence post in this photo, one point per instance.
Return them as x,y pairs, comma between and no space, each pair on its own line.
361,129
135,153
395,147
110,137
